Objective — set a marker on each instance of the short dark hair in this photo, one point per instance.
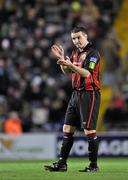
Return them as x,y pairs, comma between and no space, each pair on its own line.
78,29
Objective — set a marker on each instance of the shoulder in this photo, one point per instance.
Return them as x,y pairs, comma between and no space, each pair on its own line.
93,54
93,51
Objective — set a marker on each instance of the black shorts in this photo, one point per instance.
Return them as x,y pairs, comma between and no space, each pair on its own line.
83,109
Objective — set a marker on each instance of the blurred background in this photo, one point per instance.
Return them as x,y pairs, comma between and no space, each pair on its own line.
33,90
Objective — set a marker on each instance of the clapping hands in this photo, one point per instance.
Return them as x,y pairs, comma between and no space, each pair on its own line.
58,51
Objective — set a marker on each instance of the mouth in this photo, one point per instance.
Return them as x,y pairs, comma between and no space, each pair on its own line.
78,45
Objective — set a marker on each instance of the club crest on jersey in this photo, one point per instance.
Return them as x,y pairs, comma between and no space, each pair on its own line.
93,59
82,57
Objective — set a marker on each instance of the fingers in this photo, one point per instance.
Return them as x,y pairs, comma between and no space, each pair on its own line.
58,48
65,61
61,48
55,48
67,58
61,62
56,51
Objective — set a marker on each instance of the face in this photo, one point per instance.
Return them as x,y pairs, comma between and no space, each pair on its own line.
79,39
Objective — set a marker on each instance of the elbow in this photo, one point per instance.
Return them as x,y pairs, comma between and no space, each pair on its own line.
89,80
88,74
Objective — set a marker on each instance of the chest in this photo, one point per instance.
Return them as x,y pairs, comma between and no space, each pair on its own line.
79,59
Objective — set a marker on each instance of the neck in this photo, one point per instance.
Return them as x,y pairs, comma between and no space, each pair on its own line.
81,49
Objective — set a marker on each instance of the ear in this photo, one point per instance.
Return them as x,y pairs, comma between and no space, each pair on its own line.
85,35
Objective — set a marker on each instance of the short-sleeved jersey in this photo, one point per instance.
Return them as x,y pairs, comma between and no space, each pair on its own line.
89,59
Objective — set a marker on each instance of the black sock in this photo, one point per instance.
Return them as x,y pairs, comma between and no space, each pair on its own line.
93,144
66,147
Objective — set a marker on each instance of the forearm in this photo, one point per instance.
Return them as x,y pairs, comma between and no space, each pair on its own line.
65,69
83,72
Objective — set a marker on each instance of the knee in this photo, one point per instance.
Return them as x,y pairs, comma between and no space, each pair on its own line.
68,129
87,132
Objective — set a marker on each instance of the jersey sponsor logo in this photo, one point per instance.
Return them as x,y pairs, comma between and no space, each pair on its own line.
82,57
93,59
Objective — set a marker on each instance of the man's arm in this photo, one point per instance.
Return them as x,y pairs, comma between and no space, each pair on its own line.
58,52
82,71
65,69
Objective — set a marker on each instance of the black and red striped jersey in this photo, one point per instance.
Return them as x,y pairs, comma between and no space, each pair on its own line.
89,59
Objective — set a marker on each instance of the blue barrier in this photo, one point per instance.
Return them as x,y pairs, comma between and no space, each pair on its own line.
110,145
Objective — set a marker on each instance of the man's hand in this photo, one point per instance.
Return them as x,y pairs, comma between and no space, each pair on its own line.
58,51
65,62
69,65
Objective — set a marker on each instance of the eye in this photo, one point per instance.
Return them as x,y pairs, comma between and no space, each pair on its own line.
73,38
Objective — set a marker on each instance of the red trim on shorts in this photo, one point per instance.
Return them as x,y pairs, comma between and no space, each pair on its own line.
92,135
90,115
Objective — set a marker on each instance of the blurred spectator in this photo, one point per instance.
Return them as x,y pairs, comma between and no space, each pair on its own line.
123,76
115,115
3,111
13,124
90,13
40,116
110,48
4,78
26,117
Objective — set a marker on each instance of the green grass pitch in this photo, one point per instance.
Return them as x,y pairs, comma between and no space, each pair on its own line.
110,169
